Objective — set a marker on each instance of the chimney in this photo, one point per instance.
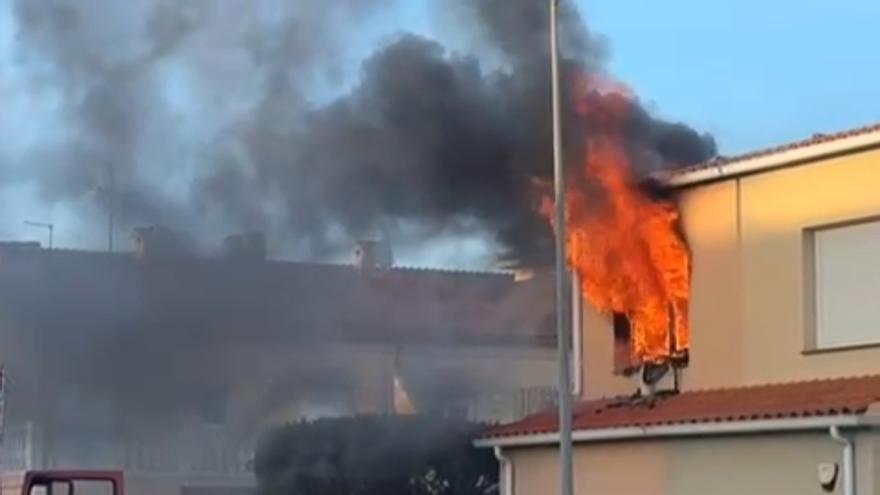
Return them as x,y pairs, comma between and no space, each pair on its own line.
372,256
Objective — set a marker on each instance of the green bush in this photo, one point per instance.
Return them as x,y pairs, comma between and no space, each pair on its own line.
375,455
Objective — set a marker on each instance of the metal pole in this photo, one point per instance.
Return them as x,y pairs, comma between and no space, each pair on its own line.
110,224
563,330
111,210
48,226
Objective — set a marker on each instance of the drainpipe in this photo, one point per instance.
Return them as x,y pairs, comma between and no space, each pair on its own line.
505,475
577,361
849,479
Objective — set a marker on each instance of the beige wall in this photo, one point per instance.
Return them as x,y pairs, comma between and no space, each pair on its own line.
778,465
711,224
775,209
598,345
749,309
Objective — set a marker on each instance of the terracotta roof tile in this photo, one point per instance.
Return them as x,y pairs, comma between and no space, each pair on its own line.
818,138
841,396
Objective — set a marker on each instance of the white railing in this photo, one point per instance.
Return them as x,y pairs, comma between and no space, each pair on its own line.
16,451
205,450
209,450
501,407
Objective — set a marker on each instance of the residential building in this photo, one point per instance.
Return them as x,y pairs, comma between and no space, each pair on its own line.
781,389
170,365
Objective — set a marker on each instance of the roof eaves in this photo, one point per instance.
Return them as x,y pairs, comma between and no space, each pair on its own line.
25,248
454,271
778,425
796,153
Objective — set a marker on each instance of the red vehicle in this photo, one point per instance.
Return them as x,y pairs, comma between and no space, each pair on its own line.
65,482
116,482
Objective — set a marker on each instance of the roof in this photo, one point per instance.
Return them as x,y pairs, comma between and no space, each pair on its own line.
274,299
798,152
782,401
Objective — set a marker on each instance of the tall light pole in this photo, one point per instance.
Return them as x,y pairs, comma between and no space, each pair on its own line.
109,191
563,330
111,207
43,225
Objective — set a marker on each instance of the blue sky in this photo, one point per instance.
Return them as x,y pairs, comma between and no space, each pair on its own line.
754,73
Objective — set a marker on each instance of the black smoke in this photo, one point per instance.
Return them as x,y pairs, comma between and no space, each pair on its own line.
429,141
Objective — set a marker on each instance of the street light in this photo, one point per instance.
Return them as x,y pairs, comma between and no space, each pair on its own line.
42,225
563,330
111,194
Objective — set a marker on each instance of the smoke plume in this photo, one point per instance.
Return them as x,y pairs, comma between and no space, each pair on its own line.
212,117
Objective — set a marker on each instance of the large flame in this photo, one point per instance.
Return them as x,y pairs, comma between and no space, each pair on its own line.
625,245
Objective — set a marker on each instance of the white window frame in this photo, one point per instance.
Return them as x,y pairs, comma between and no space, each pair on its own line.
813,303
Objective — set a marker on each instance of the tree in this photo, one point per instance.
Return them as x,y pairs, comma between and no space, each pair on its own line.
375,455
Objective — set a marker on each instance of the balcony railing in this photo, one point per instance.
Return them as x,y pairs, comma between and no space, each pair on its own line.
16,451
501,407
203,450
207,449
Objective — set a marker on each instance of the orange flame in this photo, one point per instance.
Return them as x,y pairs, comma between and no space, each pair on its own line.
626,246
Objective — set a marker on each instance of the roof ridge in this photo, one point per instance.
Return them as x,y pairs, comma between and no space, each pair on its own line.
451,271
811,398
36,249
818,138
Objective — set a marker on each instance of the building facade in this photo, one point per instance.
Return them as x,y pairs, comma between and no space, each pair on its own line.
170,366
780,391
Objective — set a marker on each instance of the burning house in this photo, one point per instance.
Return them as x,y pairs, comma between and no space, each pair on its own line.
709,295
762,274
626,248
169,364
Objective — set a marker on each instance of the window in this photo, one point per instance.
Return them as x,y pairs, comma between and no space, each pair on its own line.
846,285
73,486
623,363
92,487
